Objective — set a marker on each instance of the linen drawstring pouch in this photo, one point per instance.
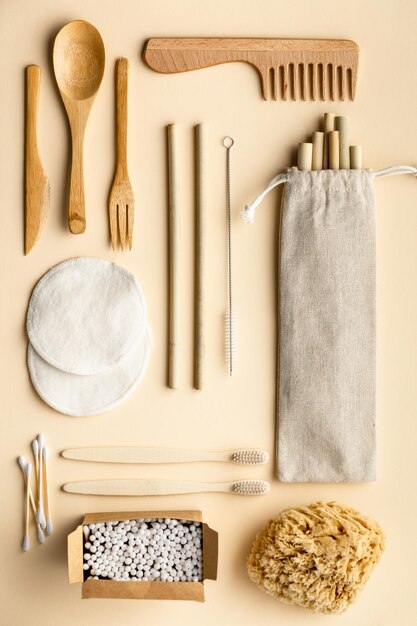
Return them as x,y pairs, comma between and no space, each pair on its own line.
327,324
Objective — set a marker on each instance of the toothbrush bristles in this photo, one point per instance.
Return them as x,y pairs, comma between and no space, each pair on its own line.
250,457
251,487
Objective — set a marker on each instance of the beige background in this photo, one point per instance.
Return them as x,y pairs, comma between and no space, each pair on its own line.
228,413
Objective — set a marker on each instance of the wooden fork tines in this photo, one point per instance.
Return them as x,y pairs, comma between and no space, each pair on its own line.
289,68
121,200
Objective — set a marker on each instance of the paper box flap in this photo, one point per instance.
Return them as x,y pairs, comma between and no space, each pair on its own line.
75,556
210,552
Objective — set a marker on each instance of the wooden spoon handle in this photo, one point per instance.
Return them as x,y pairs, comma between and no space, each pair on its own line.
76,210
122,71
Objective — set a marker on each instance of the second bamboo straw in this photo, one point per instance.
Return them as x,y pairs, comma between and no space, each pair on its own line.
200,194
174,235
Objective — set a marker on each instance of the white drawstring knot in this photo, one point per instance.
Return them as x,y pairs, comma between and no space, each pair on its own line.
248,215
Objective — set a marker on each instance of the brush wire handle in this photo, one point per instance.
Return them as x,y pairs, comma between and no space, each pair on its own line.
133,487
163,455
230,321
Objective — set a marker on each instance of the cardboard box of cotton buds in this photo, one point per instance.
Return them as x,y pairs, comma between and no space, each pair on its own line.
165,555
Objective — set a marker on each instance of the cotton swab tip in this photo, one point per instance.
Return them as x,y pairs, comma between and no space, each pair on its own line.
45,453
41,535
22,463
49,527
29,469
35,447
40,515
40,441
26,544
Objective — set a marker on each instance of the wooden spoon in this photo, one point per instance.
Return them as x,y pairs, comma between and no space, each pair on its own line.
78,59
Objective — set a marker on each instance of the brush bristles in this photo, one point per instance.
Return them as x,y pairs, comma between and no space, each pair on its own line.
251,487
250,457
230,340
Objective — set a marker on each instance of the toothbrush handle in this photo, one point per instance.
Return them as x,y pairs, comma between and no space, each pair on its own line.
139,487
114,454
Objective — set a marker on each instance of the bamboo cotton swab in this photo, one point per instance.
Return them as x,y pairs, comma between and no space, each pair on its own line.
49,527
40,516
35,448
26,543
22,464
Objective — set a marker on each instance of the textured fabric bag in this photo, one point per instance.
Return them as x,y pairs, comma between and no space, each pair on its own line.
327,326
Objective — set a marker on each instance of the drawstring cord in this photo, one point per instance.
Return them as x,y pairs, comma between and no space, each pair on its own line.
248,215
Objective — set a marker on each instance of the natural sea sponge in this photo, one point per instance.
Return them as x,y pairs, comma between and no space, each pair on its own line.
318,556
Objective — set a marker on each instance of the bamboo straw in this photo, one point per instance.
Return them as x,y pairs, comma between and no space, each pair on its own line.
328,127
174,234
342,125
200,195
318,147
305,155
356,157
334,150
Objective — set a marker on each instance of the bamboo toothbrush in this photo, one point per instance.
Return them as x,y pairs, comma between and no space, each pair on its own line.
132,487
40,517
49,527
26,543
22,464
113,454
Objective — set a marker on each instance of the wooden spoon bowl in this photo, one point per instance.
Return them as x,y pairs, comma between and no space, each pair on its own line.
78,58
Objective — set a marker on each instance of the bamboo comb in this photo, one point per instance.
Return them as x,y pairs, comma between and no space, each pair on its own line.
289,68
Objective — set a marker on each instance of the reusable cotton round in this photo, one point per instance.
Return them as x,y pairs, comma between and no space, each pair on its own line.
85,315
77,395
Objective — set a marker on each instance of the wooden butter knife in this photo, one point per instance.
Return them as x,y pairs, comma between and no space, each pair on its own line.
37,191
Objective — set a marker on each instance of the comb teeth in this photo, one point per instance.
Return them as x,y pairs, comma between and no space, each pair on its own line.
250,457
251,487
325,81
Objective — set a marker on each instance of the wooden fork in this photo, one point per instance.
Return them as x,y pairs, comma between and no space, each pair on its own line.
121,200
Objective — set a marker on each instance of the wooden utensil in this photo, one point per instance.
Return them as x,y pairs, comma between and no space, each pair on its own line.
281,63
129,454
121,200
144,487
37,192
78,59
